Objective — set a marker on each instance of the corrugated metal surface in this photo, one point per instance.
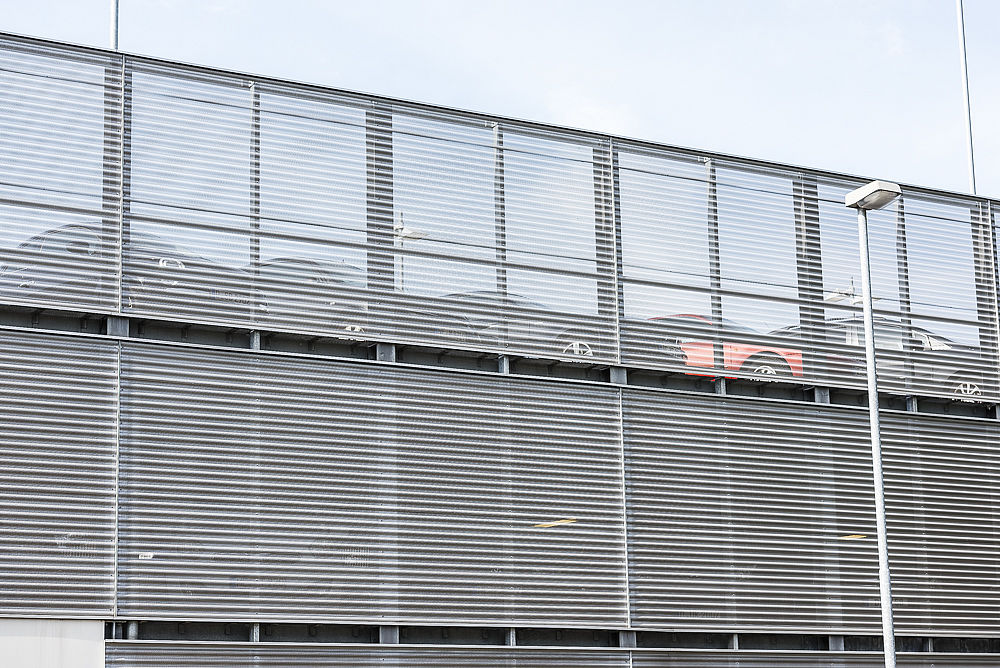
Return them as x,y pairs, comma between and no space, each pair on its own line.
753,659
749,515
210,655
943,511
293,489
949,661
59,168
57,478
178,655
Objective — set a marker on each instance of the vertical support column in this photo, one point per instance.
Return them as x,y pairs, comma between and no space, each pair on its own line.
511,638
607,241
500,227
385,352
991,225
112,175
826,515
809,274
715,266
255,199
117,326
388,635
985,260
836,643
118,173
380,263
626,639
125,223
903,280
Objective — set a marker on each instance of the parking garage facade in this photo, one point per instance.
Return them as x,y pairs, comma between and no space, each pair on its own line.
300,376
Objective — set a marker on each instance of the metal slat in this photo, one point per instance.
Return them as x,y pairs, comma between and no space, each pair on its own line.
271,655
949,661
753,659
251,204
180,655
748,515
773,251
57,479
58,210
291,489
942,501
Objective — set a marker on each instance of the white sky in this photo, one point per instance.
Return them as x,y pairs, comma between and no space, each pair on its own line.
867,87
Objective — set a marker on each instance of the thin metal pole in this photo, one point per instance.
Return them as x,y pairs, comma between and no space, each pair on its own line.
884,582
965,91
114,25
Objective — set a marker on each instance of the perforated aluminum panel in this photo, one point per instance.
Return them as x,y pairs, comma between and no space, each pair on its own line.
210,655
60,126
942,504
57,475
748,515
294,489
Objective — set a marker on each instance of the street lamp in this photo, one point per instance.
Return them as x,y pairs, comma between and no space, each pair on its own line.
874,196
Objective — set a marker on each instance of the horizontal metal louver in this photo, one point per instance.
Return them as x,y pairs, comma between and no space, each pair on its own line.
754,659
57,475
948,661
325,216
59,169
265,204
715,254
942,480
211,655
183,655
749,515
254,485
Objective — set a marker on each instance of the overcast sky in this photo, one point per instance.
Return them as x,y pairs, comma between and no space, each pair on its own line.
868,87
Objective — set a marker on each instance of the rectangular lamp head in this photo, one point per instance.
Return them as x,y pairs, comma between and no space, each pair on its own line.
875,195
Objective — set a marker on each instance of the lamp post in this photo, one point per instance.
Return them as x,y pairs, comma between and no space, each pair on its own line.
965,93
113,31
874,196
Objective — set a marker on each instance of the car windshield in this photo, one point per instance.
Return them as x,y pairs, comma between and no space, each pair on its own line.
320,272
691,321
152,243
487,298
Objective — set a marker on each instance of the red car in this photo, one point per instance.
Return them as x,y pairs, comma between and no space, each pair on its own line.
742,350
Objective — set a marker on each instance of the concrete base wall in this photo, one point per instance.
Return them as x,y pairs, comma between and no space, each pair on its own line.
51,643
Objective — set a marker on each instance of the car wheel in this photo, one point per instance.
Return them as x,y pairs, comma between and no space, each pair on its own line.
766,368
967,390
575,348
